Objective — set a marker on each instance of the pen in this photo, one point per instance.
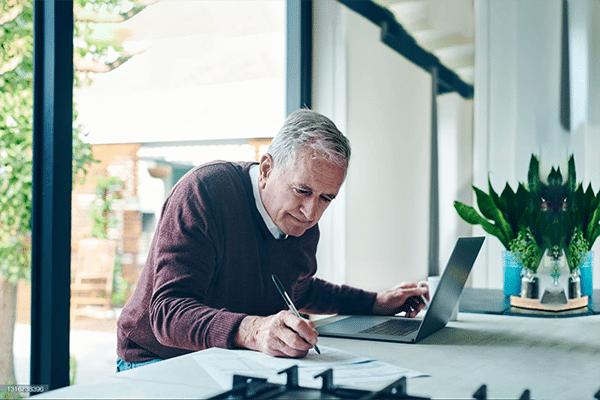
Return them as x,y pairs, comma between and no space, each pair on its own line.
288,301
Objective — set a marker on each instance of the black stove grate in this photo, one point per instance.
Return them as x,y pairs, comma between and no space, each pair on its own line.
246,387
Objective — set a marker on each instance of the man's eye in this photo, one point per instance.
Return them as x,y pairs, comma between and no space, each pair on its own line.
302,191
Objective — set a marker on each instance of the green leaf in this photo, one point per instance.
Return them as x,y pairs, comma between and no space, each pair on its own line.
507,205
492,193
471,216
526,220
522,197
533,175
486,204
589,202
491,211
468,213
594,235
555,177
571,176
493,230
592,200
592,230
508,196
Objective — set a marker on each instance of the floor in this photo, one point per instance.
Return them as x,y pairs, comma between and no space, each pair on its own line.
93,344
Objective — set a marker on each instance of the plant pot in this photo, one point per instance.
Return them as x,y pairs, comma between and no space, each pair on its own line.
530,285
512,274
160,171
574,285
552,287
585,270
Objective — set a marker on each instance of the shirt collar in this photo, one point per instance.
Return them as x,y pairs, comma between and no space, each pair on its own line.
274,229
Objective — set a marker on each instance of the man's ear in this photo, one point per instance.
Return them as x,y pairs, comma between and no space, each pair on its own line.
265,168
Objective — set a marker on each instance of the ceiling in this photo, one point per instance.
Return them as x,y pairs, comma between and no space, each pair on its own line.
430,33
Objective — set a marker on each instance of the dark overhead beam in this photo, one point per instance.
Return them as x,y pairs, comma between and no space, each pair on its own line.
299,54
397,38
565,79
434,187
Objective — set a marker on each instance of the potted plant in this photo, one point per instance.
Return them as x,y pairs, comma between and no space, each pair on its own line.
546,222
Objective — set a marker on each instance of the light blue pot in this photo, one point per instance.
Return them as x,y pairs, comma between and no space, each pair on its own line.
586,270
512,274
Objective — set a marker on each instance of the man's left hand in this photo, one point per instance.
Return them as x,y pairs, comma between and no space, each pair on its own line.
406,297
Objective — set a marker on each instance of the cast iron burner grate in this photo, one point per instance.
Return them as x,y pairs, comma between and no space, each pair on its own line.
246,387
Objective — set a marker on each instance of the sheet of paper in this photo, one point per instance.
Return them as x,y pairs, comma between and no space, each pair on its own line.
348,369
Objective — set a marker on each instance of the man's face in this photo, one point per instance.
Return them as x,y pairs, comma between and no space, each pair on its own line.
296,197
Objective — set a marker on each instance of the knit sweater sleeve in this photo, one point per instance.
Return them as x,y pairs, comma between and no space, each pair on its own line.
317,296
185,256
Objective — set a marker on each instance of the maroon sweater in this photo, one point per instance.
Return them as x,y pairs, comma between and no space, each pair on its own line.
210,265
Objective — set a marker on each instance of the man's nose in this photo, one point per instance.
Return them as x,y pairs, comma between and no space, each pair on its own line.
309,208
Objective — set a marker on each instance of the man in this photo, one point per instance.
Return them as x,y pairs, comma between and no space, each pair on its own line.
225,228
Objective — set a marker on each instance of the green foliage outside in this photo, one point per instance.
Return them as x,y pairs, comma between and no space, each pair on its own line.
101,53
72,369
95,51
556,215
100,212
16,124
107,190
16,113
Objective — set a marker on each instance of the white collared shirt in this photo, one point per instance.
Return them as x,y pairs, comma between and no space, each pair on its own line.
274,229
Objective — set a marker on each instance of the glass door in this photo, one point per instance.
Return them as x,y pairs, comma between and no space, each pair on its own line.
161,87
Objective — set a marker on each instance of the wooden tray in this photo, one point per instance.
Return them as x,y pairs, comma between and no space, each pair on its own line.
535,304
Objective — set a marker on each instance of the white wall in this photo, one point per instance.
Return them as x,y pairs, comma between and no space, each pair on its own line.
455,141
329,98
376,234
387,119
389,111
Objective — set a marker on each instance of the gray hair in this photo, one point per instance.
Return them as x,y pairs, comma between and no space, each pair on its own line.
306,128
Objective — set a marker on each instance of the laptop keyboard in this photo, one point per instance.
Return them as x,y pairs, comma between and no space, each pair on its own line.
394,327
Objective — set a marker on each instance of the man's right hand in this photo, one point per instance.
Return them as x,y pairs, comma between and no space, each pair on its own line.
280,335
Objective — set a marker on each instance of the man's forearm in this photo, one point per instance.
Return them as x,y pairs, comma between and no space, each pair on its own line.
324,297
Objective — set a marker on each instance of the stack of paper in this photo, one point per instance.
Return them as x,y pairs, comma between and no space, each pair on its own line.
348,369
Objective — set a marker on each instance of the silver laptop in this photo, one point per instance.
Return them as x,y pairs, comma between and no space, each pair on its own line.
411,330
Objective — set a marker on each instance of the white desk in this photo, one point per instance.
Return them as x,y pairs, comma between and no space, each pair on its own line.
555,358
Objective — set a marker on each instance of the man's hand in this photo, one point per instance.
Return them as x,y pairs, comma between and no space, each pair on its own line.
281,335
404,297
